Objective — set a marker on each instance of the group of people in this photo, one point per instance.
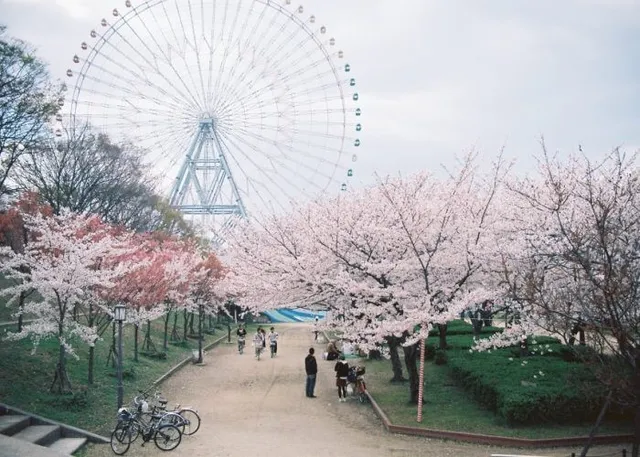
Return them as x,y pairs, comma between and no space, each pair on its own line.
260,339
341,369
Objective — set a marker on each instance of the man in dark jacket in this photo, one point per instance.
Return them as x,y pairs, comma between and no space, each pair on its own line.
311,367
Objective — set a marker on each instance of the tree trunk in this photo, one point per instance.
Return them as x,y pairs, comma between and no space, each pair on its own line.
185,325
192,318
61,383
166,331
635,448
411,360
595,428
174,331
396,364
92,357
135,342
21,299
442,330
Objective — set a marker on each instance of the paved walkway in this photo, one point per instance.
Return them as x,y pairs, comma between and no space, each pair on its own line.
252,408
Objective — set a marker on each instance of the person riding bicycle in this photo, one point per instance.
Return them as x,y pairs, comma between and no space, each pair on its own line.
273,341
242,334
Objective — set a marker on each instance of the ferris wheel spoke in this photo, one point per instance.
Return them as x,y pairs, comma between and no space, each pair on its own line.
303,150
132,82
275,36
188,44
127,90
237,42
164,53
227,49
143,74
195,43
249,158
151,65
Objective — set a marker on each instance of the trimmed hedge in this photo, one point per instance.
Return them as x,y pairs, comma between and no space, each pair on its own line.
528,391
545,386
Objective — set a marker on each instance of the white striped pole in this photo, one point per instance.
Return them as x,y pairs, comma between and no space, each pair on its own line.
421,381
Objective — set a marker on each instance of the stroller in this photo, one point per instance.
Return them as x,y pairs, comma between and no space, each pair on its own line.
355,378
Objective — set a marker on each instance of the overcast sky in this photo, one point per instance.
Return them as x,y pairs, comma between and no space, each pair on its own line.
437,78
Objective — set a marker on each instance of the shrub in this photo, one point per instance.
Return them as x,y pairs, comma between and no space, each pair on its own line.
528,391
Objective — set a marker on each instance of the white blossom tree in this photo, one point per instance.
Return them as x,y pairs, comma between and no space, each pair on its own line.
572,262
63,265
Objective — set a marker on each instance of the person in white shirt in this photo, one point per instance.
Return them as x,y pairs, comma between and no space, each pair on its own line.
273,342
258,342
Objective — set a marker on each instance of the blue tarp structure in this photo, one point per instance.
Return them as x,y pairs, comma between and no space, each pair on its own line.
293,315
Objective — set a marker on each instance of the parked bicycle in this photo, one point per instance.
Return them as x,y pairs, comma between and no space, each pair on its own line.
184,417
131,425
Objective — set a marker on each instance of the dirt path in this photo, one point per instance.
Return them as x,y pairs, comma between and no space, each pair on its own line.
251,407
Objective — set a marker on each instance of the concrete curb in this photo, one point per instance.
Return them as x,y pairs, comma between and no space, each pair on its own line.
169,373
493,439
72,431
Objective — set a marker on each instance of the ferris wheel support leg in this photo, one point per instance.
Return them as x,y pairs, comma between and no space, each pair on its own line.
182,179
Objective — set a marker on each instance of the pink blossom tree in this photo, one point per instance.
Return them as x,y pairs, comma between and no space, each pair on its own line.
62,263
386,260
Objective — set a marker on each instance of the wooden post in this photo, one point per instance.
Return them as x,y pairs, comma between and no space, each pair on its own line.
421,380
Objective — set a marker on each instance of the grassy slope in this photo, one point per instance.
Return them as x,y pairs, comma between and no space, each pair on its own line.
25,378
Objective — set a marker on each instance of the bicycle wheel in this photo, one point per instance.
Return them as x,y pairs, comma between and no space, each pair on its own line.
175,419
167,437
192,421
121,439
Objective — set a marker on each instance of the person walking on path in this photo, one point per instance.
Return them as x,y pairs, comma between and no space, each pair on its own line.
258,342
315,329
242,334
273,342
342,373
311,367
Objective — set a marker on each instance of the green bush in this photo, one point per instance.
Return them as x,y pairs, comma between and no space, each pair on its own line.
441,357
530,390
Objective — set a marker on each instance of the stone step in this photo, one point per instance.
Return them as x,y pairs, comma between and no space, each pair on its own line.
67,445
13,447
11,424
39,434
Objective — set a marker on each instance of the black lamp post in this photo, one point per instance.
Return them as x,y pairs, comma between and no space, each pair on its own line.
201,316
119,315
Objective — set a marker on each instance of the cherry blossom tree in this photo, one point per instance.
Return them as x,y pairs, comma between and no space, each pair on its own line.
572,260
14,234
62,265
387,260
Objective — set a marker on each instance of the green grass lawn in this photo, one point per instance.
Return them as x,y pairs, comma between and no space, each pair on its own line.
450,407
25,377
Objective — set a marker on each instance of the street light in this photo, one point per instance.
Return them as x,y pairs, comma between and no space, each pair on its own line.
120,314
200,316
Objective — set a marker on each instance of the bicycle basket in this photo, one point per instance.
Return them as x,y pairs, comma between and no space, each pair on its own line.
124,415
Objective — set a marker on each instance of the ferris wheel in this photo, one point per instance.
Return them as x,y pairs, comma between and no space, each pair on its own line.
243,106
